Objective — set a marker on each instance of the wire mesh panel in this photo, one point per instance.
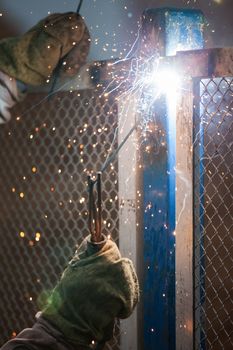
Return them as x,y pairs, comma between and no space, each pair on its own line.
213,191
46,152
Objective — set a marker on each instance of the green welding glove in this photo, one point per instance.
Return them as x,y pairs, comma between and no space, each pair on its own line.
32,57
59,40
97,286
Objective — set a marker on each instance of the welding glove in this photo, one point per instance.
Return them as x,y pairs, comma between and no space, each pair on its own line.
31,58
97,286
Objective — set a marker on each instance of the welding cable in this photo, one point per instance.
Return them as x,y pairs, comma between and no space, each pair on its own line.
58,67
114,154
79,6
95,212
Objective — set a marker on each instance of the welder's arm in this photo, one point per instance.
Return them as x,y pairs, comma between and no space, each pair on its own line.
31,58
97,287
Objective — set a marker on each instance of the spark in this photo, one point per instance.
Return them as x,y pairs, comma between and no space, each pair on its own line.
38,235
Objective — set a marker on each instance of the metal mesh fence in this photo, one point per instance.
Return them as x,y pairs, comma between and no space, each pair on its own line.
46,152
213,191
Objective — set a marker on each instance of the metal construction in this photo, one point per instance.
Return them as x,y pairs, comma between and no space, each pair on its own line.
167,196
46,152
168,31
213,220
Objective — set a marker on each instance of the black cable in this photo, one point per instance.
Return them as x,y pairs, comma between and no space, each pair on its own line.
79,6
57,69
56,73
114,154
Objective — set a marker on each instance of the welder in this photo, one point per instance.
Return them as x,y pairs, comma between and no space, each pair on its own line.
98,285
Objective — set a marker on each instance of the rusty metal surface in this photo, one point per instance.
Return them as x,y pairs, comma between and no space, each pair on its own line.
195,63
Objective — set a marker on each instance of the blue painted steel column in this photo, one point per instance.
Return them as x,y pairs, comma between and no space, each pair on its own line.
179,30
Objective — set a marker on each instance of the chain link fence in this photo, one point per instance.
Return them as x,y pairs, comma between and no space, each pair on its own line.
213,219
46,152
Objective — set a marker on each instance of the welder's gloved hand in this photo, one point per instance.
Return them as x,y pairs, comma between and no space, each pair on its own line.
97,287
32,57
59,40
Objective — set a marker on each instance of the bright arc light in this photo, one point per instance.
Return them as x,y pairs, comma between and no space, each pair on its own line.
165,81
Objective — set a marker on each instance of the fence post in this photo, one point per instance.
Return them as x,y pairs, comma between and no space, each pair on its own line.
129,240
184,220
166,31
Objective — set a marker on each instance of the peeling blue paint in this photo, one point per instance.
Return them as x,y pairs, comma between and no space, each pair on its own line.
181,30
